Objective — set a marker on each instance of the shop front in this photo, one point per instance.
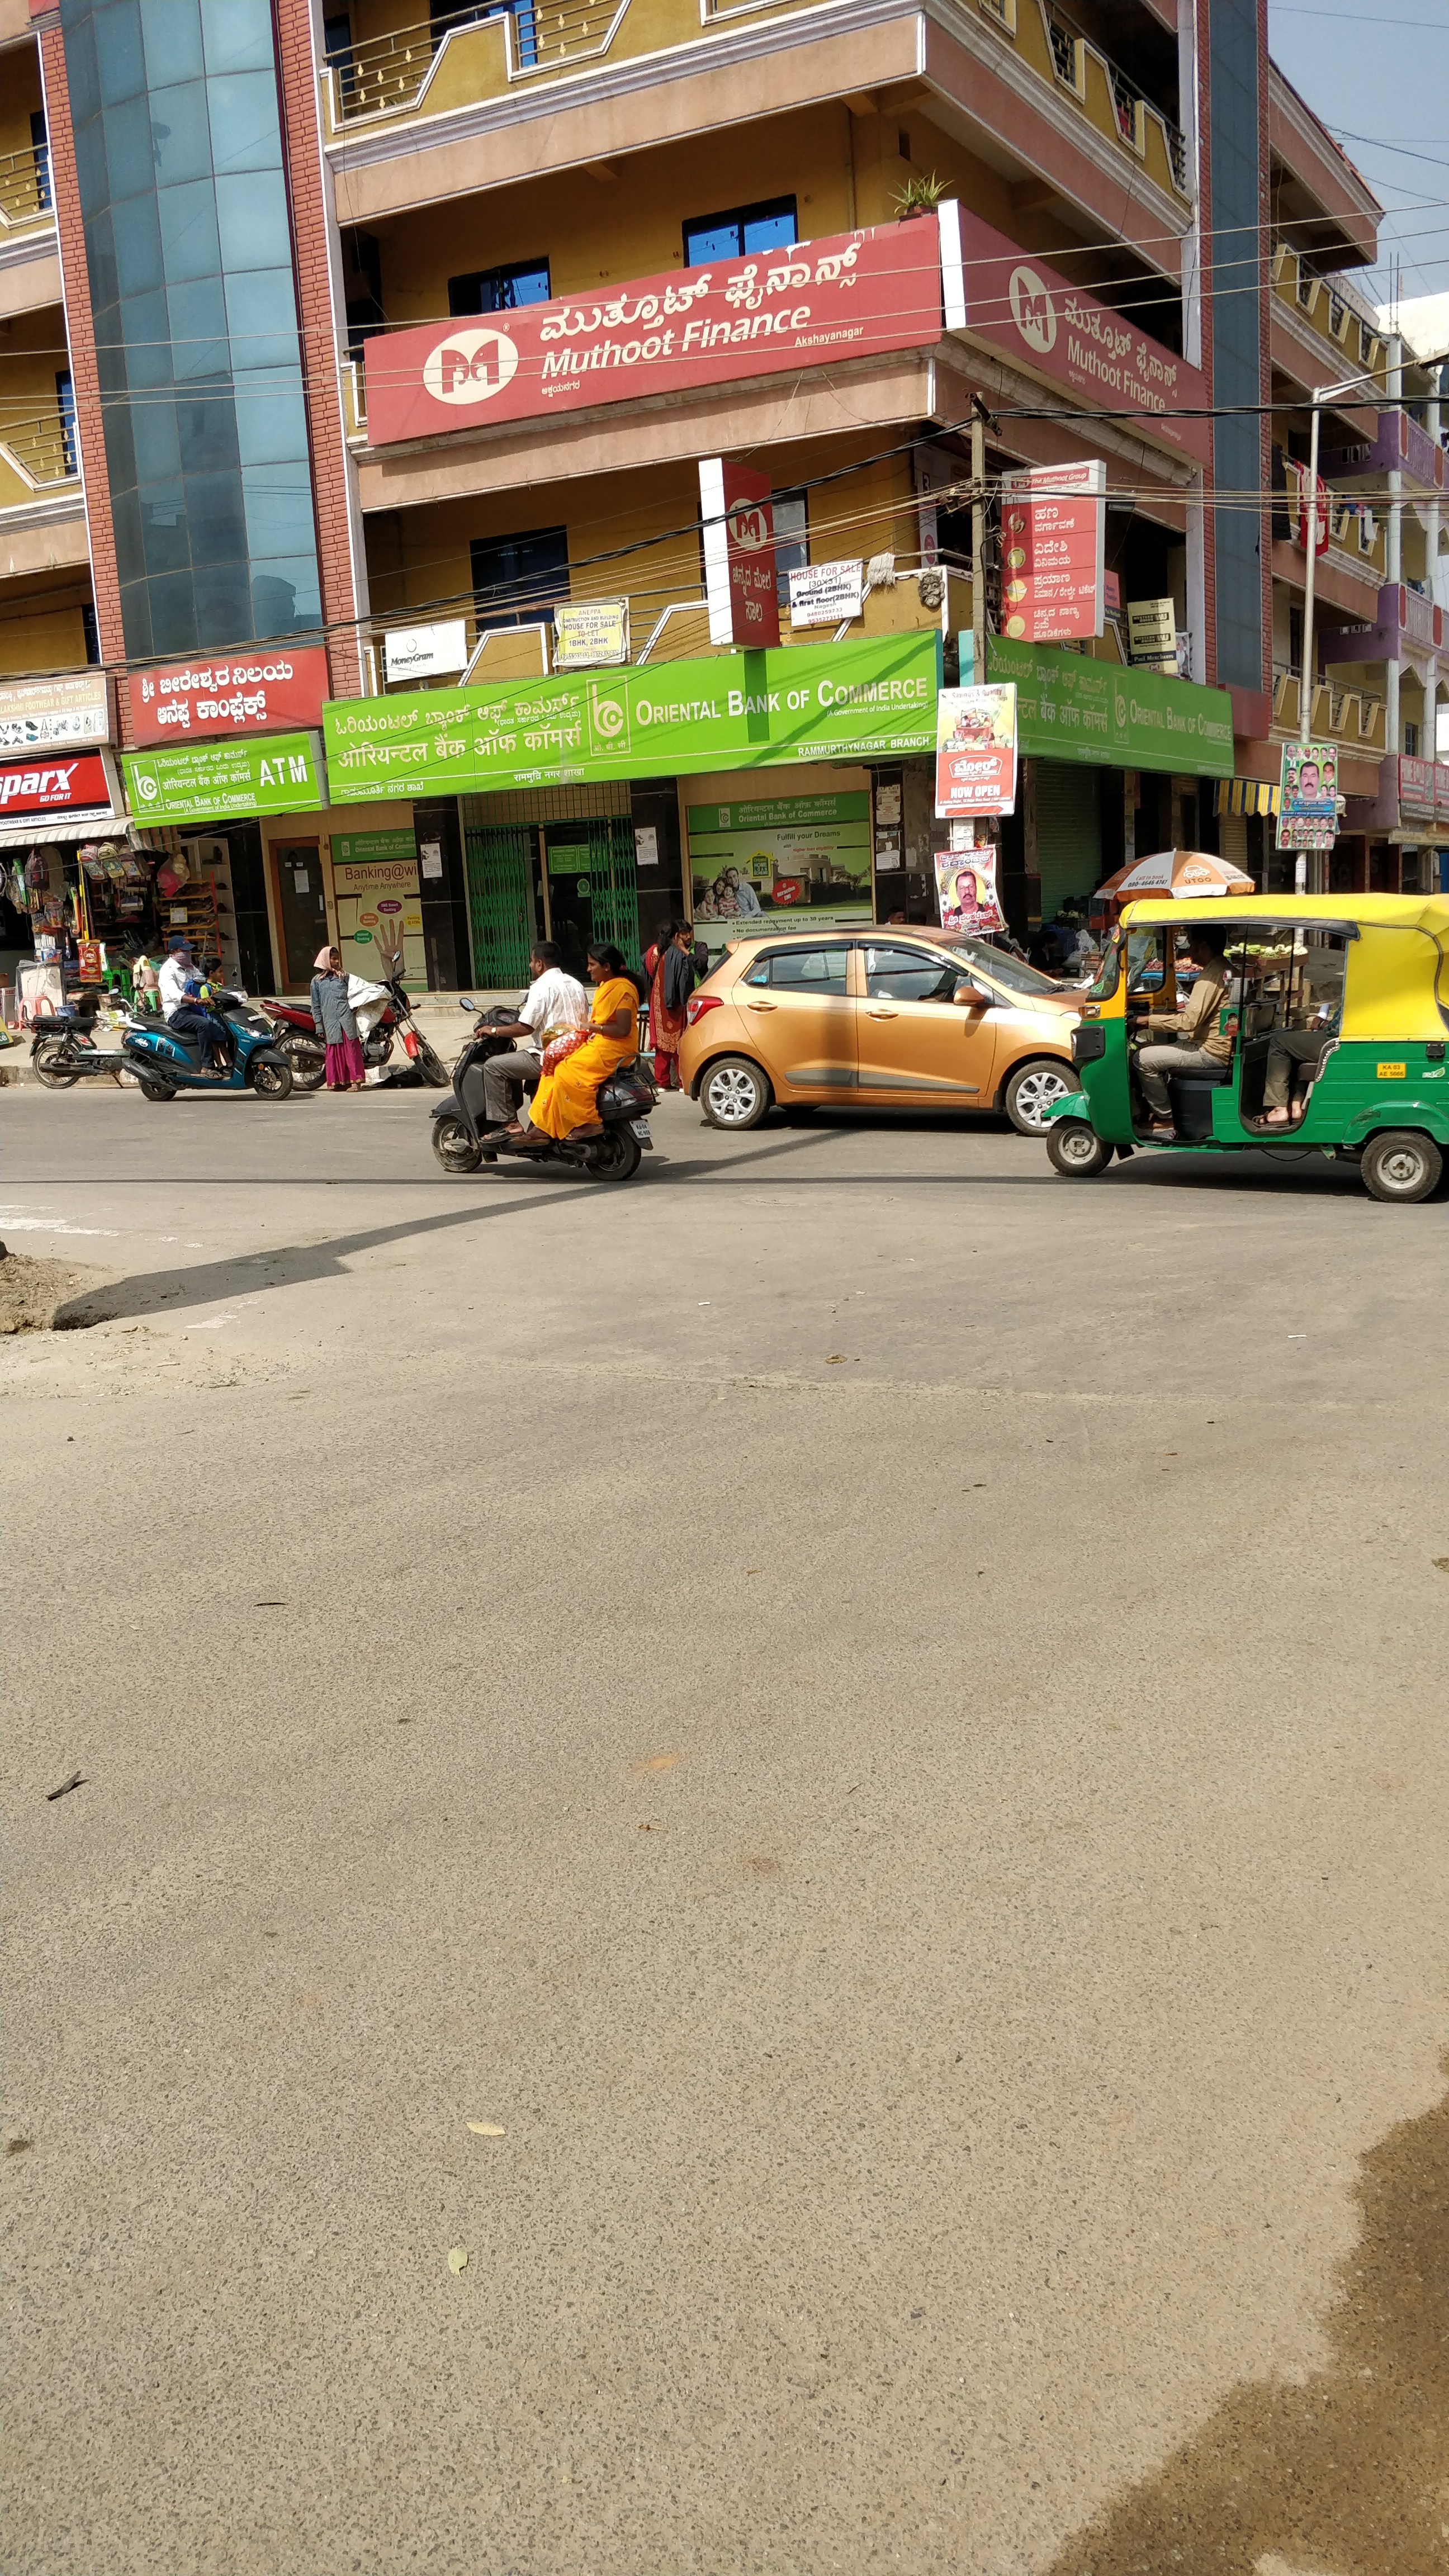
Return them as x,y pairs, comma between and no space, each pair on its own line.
596,805
72,885
1115,763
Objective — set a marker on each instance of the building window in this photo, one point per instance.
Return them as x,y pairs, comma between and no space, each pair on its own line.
499,290
516,580
792,541
769,226
1295,642
65,400
91,631
40,146
1411,740
337,41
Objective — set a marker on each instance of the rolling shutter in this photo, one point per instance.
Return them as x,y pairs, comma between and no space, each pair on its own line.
1068,832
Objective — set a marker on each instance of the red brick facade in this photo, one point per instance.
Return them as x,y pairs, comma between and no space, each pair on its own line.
105,585
311,242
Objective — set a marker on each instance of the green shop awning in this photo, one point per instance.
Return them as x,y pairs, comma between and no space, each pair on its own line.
1068,708
870,699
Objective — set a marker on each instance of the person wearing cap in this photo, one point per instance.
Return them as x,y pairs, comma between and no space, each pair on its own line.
178,969
180,988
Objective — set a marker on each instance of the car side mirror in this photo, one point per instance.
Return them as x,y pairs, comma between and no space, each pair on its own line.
972,997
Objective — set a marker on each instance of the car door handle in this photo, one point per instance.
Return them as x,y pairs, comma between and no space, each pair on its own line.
885,1014
761,1006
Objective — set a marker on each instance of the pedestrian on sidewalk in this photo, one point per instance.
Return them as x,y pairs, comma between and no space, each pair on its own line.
671,981
335,1022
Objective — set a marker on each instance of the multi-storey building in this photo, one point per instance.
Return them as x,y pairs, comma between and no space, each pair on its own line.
327,325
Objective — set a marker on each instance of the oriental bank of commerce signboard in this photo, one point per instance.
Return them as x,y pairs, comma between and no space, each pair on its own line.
1105,717
860,294
867,700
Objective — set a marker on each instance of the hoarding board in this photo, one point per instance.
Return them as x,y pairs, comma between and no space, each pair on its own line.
1069,708
862,699
259,690
197,782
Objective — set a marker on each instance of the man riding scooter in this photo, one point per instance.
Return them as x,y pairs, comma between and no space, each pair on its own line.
183,1001
554,1004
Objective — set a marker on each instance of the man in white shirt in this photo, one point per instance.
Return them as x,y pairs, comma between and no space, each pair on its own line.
177,969
184,1013
554,1004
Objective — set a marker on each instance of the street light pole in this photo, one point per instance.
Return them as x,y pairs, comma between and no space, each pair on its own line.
978,540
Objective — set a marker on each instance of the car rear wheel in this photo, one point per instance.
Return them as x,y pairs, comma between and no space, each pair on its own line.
1034,1088
1075,1151
1401,1165
734,1093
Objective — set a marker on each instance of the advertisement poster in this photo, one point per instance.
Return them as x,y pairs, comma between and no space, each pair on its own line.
827,594
787,863
425,652
976,750
737,523
966,889
1308,818
590,634
863,699
71,707
1053,533
379,912
1152,634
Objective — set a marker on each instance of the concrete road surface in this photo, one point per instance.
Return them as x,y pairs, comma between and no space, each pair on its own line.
829,1764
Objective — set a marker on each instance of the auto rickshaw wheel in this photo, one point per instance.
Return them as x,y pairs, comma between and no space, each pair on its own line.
1075,1150
1401,1165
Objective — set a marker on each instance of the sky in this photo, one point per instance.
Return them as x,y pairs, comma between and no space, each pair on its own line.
1377,75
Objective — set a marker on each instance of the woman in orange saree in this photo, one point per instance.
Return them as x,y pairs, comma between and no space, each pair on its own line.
566,1101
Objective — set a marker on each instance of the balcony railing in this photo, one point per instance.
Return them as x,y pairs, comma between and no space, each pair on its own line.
1075,57
1355,342
26,202
1352,717
386,74
42,452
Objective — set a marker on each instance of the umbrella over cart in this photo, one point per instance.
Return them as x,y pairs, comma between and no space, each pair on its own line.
1175,872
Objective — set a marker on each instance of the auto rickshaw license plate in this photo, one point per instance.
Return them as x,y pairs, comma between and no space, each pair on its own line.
1393,1072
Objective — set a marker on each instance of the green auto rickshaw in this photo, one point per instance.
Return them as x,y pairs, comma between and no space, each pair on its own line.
1331,1031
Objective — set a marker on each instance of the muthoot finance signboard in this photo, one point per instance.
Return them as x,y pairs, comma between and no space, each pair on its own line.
869,699
853,295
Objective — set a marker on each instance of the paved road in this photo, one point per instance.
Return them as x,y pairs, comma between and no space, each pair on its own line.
876,1712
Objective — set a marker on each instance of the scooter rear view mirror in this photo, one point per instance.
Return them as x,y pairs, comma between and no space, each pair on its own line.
467,1003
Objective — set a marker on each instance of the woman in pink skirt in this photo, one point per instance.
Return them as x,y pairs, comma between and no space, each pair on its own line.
332,1017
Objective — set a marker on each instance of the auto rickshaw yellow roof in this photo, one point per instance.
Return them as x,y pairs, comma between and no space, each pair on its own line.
1428,912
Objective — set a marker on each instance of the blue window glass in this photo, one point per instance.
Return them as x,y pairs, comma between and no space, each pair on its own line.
188,230
237,35
766,226
499,290
278,501
136,234
120,62
199,343
271,424
242,107
180,132
262,317
130,152
171,33
251,215
286,594
155,442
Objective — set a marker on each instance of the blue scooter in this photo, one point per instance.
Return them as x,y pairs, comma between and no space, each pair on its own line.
166,1060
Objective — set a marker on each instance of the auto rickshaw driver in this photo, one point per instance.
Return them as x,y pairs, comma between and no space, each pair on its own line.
1200,1045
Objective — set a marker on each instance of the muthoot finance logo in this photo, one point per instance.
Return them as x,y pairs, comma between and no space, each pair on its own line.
1032,310
469,366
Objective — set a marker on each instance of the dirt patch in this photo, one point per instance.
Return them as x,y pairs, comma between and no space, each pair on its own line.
48,1296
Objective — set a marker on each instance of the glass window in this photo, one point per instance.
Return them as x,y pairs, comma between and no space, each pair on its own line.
278,501
180,134
499,290
517,579
261,312
216,517
174,601
130,152
1147,967
242,109
1000,967
207,430
136,234
120,64
237,35
798,969
251,218
172,30
199,343
154,442
188,230
910,975
271,424
767,226
286,594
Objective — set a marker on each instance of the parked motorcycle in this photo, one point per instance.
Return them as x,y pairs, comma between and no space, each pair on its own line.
166,1060
462,1138
307,1055
63,1053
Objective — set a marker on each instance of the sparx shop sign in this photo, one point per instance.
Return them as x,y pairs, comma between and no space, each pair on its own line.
854,294
860,700
201,781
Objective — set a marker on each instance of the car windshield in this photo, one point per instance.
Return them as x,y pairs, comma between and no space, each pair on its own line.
1002,967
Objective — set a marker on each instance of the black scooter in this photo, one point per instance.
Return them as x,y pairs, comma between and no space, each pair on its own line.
462,1138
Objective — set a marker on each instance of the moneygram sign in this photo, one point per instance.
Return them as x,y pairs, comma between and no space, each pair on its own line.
854,295
865,700
994,291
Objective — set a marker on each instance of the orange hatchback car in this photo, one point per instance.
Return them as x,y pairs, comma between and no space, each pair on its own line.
900,1019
